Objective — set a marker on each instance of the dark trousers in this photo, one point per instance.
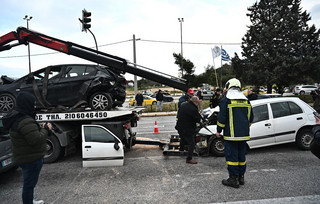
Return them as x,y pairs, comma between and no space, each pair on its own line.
30,172
235,153
187,138
315,149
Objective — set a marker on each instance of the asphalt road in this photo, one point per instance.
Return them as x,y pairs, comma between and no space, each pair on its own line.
279,174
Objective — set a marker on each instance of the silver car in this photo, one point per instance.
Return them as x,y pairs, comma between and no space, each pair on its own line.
304,89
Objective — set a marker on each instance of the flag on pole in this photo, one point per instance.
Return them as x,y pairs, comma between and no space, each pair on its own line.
216,52
224,55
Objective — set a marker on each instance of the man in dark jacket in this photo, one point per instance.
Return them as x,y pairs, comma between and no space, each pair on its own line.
186,126
315,144
28,142
159,98
215,100
139,99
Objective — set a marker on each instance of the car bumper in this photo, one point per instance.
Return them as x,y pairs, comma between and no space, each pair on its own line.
6,163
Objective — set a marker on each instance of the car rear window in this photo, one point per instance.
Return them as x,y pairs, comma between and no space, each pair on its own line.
282,109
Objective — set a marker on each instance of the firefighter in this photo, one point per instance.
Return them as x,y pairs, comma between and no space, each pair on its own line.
234,119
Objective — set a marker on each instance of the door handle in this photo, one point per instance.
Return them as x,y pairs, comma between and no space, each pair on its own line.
87,146
267,124
300,118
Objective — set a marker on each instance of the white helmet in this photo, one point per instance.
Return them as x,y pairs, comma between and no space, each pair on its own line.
233,83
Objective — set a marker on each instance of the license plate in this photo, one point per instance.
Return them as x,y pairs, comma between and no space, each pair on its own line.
6,162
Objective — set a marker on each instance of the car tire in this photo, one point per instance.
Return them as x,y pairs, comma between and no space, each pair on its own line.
7,102
53,150
101,101
154,103
217,147
302,93
304,138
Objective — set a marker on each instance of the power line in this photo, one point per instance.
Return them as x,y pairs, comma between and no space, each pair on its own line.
124,41
194,43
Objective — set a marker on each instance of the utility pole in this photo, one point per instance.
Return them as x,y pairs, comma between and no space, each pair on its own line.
28,19
135,61
181,21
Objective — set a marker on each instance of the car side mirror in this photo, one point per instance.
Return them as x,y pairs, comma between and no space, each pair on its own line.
116,146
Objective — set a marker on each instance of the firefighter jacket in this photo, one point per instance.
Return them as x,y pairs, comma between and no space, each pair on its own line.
234,119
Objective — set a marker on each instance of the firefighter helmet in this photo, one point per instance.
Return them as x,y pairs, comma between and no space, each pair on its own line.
233,83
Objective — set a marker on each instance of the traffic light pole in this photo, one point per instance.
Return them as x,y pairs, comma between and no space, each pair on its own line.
94,37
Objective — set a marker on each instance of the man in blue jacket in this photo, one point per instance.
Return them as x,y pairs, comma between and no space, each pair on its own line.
234,119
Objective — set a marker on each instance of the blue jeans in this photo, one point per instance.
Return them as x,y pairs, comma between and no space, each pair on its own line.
30,172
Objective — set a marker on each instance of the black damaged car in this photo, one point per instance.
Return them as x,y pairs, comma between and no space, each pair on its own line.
68,85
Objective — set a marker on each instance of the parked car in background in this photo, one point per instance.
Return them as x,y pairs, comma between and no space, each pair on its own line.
5,150
166,98
207,94
147,100
304,89
277,121
66,85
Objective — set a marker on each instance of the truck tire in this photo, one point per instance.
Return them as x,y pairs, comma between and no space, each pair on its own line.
217,147
53,151
304,139
101,101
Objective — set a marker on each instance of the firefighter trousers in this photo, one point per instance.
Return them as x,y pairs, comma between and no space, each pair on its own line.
235,153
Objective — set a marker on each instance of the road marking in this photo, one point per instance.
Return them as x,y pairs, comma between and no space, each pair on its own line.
312,199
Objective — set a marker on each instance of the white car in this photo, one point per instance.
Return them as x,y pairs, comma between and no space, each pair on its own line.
277,121
304,89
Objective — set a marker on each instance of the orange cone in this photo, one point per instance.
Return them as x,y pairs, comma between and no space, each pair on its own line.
156,130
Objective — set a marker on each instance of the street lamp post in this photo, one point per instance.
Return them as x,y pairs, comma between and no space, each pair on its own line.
135,62
181,21
28,19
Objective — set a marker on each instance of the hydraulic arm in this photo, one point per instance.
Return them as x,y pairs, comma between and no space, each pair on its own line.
25,36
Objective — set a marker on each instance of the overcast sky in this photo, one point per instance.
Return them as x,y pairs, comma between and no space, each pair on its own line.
207,23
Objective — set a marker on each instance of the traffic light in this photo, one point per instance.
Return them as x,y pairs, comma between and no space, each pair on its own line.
86,20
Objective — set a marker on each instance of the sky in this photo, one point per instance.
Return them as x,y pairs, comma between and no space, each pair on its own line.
207,23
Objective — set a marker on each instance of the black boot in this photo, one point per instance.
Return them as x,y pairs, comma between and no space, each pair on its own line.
241,179
231,181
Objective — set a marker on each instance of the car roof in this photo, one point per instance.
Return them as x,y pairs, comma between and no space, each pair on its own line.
276,99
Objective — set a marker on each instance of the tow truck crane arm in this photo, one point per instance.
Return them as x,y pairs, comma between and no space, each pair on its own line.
25,36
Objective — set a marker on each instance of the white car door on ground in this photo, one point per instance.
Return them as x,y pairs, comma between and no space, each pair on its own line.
100,147
288,117
262,128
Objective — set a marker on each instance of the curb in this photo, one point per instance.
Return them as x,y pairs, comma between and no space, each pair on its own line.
153,114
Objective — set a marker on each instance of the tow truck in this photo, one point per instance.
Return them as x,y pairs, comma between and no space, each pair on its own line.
104,133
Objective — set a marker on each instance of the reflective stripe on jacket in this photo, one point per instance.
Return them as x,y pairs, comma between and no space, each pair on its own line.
234,119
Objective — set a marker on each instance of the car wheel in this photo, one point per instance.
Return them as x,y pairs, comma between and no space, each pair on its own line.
101,101
154,103
7,102
304,139
217,147
302,93
53,150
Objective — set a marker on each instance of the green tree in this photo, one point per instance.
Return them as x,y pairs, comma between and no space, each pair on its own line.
279,47
185,66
